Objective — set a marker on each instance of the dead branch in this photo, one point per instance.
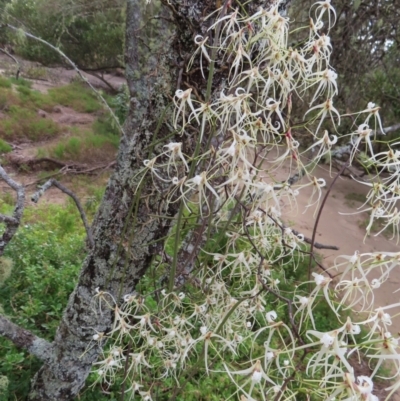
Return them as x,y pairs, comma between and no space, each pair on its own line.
65,167
24,339
101,78
392,128
316,244
15,60
352,171
52,182
19,161
12,223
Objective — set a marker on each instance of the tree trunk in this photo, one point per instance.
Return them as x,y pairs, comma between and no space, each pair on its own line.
125,232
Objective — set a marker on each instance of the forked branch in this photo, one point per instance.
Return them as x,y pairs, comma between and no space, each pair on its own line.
12,222
53,182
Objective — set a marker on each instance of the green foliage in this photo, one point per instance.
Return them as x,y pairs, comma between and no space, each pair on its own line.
45,256
381,84
121,104
4,82
37,275
6,265
5,147
92,34
86,146
20,82
68,149
7,98
4,387
76,96
104,126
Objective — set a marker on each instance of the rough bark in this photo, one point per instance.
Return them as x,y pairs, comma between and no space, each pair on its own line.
25,339
125,233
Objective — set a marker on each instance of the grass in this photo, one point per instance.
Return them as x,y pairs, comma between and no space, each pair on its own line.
22,123
33,99
353,197
4,147
36,73
86,146
7,98
5,83
77,96
19,104
21,82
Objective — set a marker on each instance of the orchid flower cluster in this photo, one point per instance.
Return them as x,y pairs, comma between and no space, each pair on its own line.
242,308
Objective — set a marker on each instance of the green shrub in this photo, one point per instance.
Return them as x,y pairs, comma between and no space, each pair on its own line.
97,31
121,104
45,259
105,125
5,147
69,149
43,262
5,83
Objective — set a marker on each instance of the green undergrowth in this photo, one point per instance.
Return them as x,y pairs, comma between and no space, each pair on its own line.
98,145
77,96
22,123
19,104
5,147
40,268
37,274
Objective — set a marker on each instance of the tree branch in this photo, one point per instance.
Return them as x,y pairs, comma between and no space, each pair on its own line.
23,338
12,223
53,182
16,61
316,244
392,128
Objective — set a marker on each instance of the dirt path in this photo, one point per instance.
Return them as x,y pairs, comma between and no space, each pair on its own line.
341,227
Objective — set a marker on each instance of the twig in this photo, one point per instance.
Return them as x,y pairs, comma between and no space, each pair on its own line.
53,182
284,299
102,79
289,378
392,128
270,290
12,223
316,244
319,216
16,61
